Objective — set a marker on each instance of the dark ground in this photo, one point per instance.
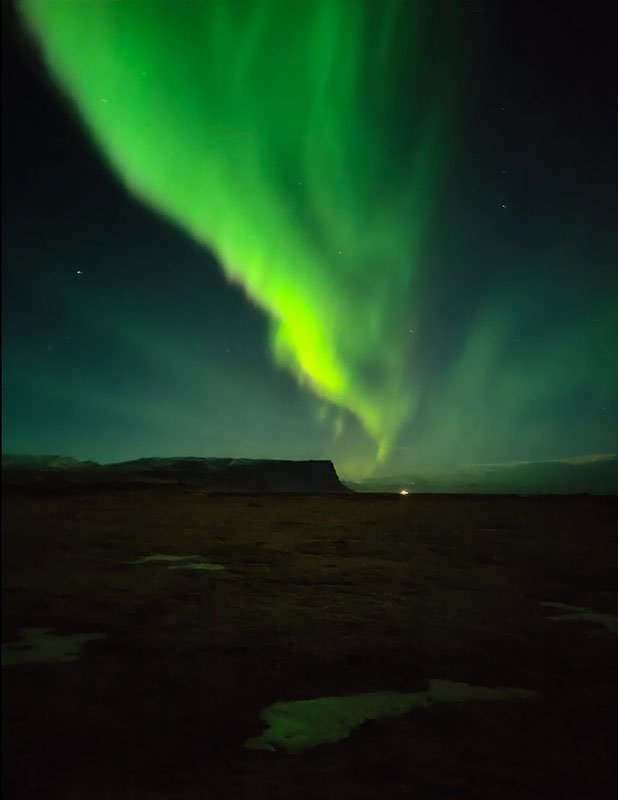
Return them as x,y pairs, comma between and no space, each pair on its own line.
321,595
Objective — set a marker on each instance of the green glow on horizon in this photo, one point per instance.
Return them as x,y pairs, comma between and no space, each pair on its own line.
303,142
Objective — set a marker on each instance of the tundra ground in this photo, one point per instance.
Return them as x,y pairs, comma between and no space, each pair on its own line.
318,596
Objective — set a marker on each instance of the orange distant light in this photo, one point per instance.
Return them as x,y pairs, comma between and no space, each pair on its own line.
404,491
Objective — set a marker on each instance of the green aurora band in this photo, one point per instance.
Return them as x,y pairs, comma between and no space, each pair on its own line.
302,142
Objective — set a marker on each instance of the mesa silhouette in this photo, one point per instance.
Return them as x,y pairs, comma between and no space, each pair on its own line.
211,474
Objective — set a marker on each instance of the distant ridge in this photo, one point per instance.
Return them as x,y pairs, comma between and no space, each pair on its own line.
24,462
211,474
591,474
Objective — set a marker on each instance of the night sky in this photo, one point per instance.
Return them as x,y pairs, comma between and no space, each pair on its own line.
380,233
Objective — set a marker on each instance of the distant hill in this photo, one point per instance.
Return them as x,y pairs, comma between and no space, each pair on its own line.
25,462
212,474
595,474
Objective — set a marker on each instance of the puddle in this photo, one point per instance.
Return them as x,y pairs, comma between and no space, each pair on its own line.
302,724
578,614
41,646
179,562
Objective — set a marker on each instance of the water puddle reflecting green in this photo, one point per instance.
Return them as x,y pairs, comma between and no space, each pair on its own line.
302,724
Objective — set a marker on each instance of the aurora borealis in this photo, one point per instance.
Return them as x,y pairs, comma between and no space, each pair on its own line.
416,200
269,141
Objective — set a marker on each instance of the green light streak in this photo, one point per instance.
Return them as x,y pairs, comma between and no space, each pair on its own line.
301,141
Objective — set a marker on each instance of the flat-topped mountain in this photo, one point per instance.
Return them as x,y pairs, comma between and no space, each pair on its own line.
212,474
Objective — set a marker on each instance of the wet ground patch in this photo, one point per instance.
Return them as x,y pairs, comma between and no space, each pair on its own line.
568,613
43,646
196,563
302,724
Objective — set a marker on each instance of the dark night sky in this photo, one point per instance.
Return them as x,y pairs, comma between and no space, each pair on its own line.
123,337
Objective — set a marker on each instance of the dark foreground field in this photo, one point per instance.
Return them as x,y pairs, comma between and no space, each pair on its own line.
320,595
